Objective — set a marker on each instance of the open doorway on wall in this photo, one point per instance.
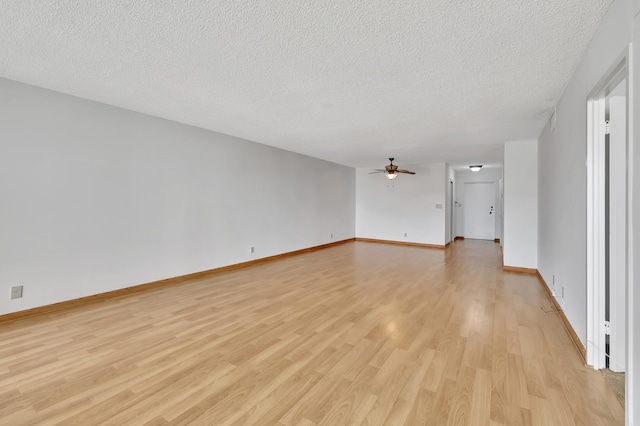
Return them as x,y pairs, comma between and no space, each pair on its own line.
477,203
607,225
452,210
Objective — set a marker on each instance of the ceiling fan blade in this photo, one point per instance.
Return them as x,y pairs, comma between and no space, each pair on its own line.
377,171
405,171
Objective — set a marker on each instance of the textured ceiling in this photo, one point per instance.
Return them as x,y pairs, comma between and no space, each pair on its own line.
347,81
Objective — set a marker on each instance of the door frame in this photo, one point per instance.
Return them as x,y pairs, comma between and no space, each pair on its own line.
618,72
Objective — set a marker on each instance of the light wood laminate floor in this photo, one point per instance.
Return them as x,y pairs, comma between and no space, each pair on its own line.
359,333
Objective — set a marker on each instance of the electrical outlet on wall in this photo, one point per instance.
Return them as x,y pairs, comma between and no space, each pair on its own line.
553,285
253,249
332,235
405,234
16,292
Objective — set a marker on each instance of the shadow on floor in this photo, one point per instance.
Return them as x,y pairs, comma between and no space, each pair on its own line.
616,382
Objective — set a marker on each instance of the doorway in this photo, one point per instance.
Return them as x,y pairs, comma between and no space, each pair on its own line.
452,210
479,203
607,219
615,228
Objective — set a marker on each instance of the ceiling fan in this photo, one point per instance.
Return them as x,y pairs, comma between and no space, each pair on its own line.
391,171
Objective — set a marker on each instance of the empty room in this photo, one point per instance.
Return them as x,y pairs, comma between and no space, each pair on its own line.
319,213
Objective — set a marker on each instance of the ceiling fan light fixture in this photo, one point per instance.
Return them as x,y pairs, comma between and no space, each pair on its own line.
392,171
476,167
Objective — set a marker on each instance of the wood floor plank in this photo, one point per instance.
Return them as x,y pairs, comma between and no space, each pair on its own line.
359,333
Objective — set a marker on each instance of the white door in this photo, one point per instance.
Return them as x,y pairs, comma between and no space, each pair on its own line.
479,210
617,264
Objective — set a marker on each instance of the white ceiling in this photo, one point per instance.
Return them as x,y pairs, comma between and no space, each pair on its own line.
348,81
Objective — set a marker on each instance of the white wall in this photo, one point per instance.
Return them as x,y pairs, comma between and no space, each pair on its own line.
562,183
520,245
385,210
96,198
562,169
488,174
633,324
